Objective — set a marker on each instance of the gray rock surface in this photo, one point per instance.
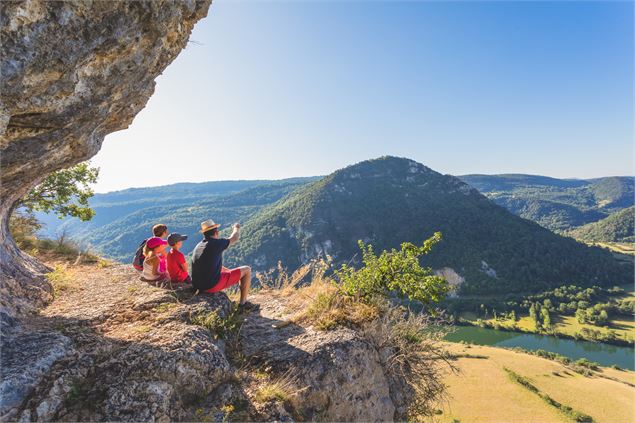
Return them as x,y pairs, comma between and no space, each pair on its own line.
26,359
337,374
72,72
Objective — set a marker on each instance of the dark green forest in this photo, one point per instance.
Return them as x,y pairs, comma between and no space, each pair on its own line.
618,227
556,204
391,200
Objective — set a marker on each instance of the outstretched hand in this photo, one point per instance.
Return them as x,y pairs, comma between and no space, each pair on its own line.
235,234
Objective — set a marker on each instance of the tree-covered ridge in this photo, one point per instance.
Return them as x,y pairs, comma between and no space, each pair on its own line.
557,204
391,200
618,227
122,221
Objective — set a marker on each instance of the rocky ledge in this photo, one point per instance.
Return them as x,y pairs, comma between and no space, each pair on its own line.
112,348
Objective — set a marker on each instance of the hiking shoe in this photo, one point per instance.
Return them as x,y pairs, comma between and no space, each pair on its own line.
248,306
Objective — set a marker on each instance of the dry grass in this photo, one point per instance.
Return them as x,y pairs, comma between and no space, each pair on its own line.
280,389
314,299
413,356
61,280
483,392
409,344
327,309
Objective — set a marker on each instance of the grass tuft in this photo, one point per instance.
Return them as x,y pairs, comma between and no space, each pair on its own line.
281,389
60,280
223,328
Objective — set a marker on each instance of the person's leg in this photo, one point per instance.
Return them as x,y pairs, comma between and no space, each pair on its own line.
245,282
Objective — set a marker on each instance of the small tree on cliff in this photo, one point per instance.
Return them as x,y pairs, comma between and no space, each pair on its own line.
64,192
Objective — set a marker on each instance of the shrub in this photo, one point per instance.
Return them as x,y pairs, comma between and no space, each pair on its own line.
410,344
583,362
396,271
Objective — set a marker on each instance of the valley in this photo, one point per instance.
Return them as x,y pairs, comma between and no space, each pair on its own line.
557,204
502,263
380,289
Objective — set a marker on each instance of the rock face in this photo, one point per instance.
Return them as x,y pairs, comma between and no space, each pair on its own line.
338,374
25,360
71,73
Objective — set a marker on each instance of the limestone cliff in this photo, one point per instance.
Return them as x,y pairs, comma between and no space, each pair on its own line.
71,73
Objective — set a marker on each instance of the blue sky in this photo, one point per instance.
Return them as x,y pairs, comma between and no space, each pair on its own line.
269,90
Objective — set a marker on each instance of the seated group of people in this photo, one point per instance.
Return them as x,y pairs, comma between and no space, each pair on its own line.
208,273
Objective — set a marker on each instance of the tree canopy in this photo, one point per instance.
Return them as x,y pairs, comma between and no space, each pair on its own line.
64,192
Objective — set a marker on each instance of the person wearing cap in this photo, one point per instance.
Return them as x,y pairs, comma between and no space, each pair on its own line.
208,273
153,250
177,266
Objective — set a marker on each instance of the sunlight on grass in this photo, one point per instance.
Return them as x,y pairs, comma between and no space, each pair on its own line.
61,280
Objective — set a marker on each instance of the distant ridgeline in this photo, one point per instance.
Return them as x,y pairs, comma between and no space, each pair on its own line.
391,200
387,201
124,218
557,204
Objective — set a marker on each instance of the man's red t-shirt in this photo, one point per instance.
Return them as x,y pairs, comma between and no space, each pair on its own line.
175,259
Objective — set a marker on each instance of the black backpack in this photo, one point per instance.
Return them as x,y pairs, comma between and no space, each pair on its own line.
138,259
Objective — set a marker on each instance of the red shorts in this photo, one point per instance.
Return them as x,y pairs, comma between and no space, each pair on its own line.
227,279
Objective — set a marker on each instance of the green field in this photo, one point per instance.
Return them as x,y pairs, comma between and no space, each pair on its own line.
621,326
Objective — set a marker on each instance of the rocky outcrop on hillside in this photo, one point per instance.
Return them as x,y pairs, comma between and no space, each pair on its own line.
112,348
338,373
71,73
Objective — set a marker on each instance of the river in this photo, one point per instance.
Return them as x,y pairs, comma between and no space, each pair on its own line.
605,354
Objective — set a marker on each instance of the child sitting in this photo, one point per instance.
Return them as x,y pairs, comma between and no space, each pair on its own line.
160,230
153,250
177,266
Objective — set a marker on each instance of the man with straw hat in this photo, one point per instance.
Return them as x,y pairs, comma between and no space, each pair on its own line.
208,273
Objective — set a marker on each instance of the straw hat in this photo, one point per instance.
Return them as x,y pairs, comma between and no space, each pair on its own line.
208,224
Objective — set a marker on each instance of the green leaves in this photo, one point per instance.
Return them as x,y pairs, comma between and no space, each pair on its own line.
396,271
65,192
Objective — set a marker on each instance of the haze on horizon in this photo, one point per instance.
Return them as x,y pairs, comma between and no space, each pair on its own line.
271,90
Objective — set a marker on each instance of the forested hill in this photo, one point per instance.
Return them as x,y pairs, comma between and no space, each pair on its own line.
618,227
391,200
557,204
124,218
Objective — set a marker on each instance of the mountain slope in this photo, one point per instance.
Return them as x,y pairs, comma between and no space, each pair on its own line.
118,204
557,204
618,227
390,200
116,233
